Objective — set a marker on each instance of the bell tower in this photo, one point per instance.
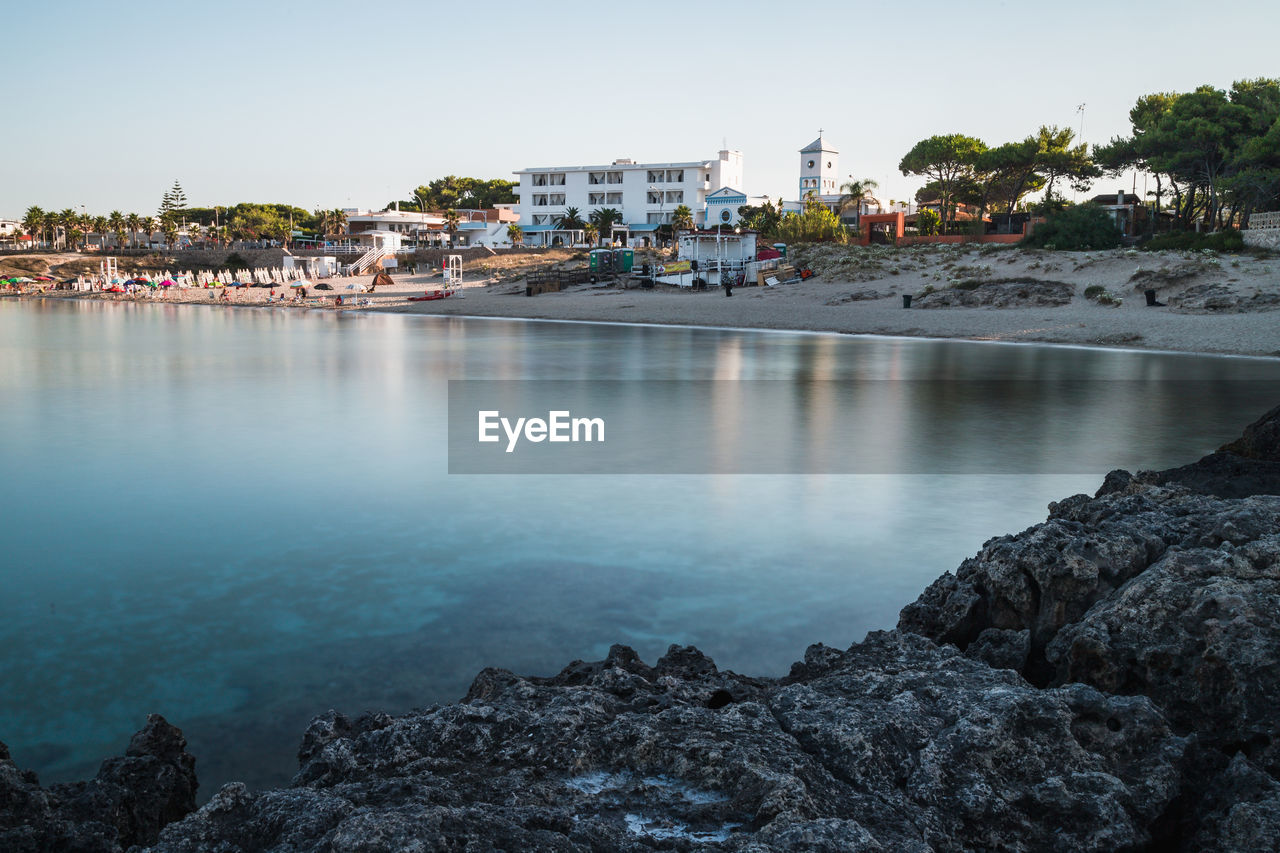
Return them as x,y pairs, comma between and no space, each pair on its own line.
819,169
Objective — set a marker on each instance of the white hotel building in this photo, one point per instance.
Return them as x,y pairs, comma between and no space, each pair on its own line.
646,194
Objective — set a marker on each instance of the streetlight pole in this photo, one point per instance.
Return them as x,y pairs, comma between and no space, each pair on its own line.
662,201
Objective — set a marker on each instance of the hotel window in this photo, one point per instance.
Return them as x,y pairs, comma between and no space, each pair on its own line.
539,180
676,197
540,218
614,177
556,180
658,218
655,198
556,198
657,176
540,200
595,198
613,198
595,178
675,176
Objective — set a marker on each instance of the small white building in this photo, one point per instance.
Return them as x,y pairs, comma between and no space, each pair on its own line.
410,224
645,194
387,241
723,207
10,231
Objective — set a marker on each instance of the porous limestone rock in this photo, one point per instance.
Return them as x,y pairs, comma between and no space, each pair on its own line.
125,805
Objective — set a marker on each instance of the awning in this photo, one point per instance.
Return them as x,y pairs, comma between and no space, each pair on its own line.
471,226
533,229
645,227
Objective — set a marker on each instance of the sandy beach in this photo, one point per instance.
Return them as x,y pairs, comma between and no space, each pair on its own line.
1212,304
870,301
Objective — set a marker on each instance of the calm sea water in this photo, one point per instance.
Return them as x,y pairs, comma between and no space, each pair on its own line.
241,518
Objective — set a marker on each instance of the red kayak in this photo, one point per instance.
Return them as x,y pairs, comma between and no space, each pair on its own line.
433,295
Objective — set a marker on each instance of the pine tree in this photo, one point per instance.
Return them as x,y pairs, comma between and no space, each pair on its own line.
173,204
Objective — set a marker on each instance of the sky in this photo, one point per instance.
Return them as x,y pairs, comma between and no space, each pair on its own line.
326,105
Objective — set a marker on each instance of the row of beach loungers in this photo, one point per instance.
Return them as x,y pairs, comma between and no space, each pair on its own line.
221,278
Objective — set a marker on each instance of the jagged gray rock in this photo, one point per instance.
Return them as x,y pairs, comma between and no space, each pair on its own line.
1164,584
1240,812
895,744
126,804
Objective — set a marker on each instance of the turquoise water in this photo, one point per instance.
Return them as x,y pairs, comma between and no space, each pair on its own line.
241,518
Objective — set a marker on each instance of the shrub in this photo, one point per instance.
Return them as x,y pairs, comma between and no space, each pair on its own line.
1218,241
1093,291
1083,226
927,222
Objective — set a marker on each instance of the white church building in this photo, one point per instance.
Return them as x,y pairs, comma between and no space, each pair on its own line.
646,194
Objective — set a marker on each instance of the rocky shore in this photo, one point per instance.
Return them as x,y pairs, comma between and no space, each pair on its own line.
1106,680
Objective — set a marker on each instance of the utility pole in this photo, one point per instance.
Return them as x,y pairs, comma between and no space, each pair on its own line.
1079,138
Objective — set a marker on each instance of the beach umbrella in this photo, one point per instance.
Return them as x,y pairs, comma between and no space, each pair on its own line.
167,283
296,286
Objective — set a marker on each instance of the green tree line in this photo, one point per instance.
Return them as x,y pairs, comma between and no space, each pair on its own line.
1215,152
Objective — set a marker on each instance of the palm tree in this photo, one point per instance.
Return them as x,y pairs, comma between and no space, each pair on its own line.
68,219
151,224
133,222
603,219
170,230
33,223
100,228
590,233
115,222
681,219
854,193
333,222
451,225
51,222
515,234
570,220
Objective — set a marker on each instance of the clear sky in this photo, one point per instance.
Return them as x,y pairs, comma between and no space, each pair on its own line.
326,104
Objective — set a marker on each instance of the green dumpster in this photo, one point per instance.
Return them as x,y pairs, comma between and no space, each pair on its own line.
623,259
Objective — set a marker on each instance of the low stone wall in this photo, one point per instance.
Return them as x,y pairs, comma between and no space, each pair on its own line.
912,240
436,257
218,257
1268,238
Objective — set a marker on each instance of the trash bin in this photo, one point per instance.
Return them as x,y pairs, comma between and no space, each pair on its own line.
906,300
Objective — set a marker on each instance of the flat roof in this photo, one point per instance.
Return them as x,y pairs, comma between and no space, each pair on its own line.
691,164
